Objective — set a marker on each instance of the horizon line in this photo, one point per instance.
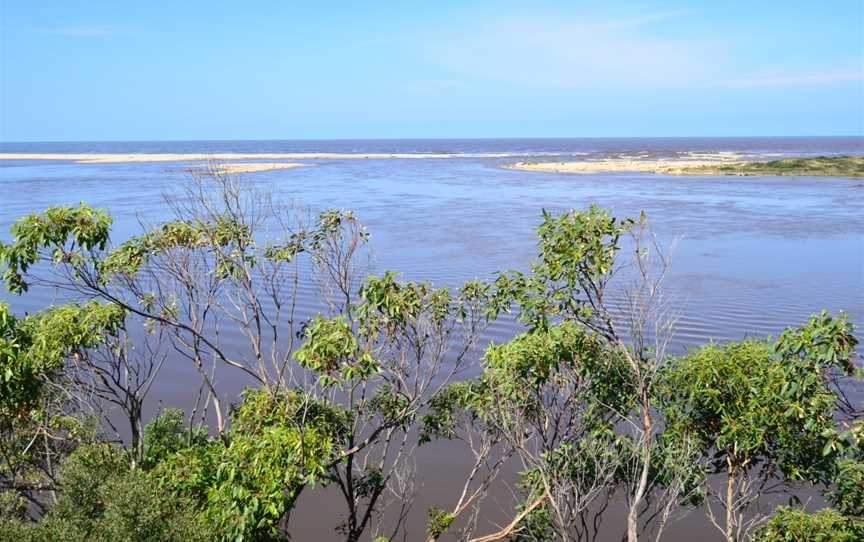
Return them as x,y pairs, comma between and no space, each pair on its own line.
505,138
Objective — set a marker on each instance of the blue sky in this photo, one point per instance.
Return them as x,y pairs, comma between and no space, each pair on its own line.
93,70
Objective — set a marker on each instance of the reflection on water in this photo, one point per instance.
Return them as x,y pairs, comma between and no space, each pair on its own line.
752,255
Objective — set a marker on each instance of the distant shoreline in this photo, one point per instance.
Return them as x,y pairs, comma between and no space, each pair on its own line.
688,163
719,164
624,165
250,167
109,158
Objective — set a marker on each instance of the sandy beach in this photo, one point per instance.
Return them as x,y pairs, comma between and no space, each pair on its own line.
851,166
669,167
106,158
680,163
250,167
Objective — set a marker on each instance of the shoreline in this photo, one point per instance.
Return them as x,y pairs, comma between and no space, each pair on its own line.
109,158
622,165
250,167
688,163
717,165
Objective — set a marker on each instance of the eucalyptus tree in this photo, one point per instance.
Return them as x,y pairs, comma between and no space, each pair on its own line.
574,397
233,260
405,342
573,279
38,426
547,398
103,500
119,374
763,413
844,521
278,444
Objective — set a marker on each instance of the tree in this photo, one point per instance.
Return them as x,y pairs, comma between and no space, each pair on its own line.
845,521
763,413
384,357
791,525
102,499
548,397
38,426
571,280
232,258
276,446
573,397
36,347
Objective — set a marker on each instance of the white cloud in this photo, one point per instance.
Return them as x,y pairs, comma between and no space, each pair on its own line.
574,53
643,50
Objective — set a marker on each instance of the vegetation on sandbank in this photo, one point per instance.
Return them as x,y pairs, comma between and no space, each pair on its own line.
819,166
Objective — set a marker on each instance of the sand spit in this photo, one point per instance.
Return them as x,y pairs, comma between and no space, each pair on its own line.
94,158
669,167
249,167
637,162
814,166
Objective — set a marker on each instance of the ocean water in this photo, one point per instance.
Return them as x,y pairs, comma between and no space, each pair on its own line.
511,147
751,255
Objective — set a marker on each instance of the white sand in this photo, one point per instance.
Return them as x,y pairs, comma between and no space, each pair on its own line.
251,167
93,158
670,167
636,162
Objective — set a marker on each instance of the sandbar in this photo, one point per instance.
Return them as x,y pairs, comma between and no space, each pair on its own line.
725,164
106,158
610,165
249,167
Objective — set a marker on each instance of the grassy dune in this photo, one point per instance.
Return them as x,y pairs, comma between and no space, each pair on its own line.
820,166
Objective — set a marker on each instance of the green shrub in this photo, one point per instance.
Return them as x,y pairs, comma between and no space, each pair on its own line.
102,500
848,495
827,525
167,434
277,445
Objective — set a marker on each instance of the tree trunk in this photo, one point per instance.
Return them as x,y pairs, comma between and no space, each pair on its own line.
730,499
137,437
639,494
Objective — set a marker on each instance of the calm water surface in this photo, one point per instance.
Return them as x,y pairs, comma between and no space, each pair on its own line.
753,254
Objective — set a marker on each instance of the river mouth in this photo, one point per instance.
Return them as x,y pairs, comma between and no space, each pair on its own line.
751,255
